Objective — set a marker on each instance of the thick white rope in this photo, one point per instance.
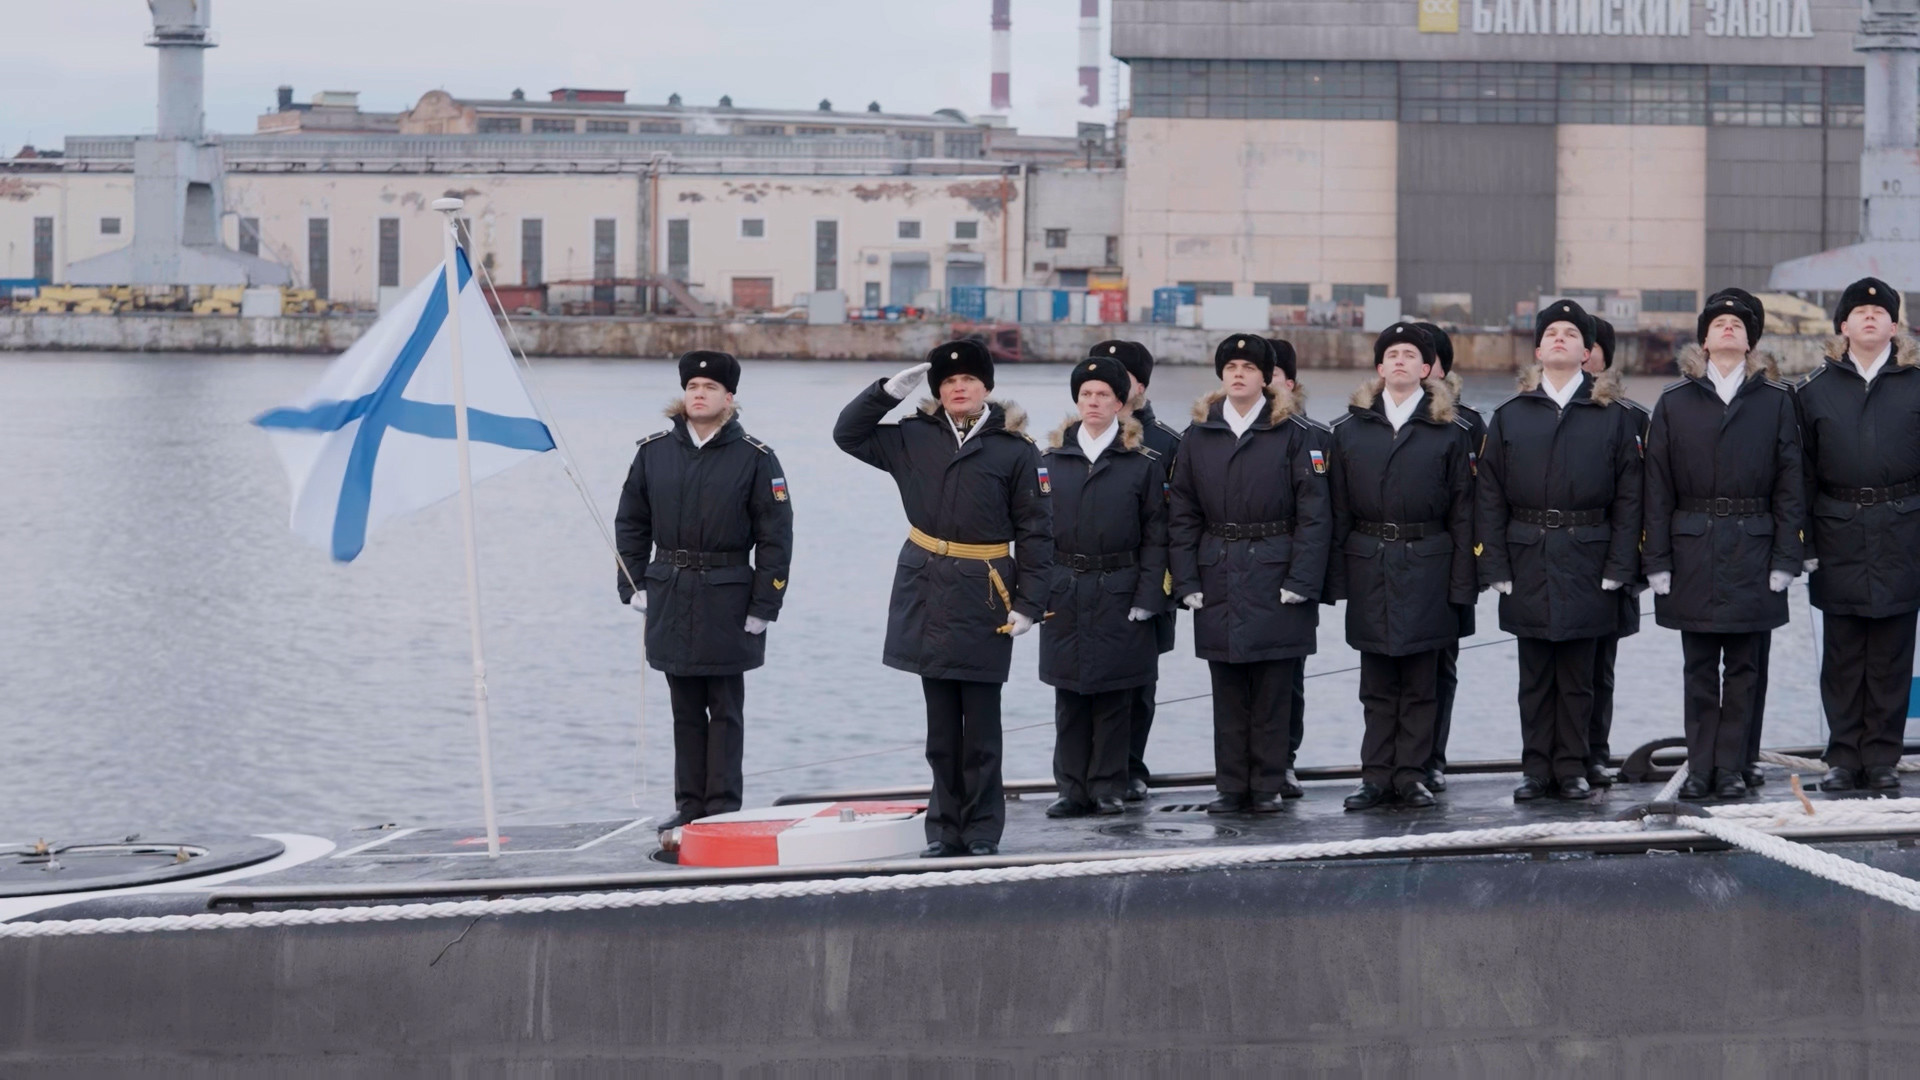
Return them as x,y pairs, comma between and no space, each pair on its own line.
1892,888
1807,764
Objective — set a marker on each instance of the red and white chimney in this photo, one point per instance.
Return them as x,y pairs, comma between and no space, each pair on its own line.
1089,52
1003,54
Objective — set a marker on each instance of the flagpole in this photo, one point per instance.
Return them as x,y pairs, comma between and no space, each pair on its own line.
448,208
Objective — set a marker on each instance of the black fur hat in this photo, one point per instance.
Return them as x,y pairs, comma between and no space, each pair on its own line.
708,364
963,357
1249,347
1403,333
1603,337
1284,361
1133,355
1864,292
1104,369
1442,347
1751,301
1725,303
1563,311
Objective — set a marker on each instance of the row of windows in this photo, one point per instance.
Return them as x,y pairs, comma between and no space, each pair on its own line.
754,228
958,144
1297,293
1500,93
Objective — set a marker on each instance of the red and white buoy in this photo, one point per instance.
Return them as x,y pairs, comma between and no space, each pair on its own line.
803,835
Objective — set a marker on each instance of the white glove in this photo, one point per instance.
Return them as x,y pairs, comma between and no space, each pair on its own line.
1504,588
1017,624
638,605
1778,580
1138,614
1810,565
1194,601
1288,596
1662,582
756,625
902,384
1607,584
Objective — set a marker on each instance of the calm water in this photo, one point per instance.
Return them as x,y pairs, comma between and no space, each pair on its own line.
172,658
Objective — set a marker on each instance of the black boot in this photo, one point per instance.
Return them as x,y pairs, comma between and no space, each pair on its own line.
940,849
1108,805
1529,790
1415,795
1366,797
1839,779
1753,776
1727,784
1136,790
1290,786
1600,776
983,847
679,818
1064,807
1575,788
1883,778
1436,781
1228,803
1695,788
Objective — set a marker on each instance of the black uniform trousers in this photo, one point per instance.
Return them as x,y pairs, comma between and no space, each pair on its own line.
1399,695
1446,681
1297,715
1252,706
1719,703
1759,702
963,749
709,733
1091,737
1556,705
1600,726
1866,678
1139,725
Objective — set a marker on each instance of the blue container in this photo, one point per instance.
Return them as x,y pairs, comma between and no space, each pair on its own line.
1167,300
968,302
1062,305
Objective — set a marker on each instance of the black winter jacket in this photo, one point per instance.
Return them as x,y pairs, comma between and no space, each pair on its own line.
1540,458
1116,506
946,614
1402,595
1856,436
1702,449
1476,426
1165,442
727,496
1275,472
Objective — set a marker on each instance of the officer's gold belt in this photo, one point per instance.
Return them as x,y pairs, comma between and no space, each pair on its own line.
985,553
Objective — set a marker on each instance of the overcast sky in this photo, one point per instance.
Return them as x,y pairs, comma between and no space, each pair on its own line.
78,67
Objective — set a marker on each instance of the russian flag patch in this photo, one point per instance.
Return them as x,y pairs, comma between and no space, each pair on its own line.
1319,461
1046,485
779,489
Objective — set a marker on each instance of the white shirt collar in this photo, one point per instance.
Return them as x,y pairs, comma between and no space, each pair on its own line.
1879,362
1091,445
1563,396
698,440
963,436
1234,420
1729,385
1398,415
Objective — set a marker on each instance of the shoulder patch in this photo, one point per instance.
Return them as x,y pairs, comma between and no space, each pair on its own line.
1162,425
1338,420
1152,454
1672,386
1462,423
653,436
1780,384
1812,375
1636,406
757,444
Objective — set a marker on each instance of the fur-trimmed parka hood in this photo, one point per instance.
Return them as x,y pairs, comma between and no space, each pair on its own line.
1130,432
1906,351
677,408
1013,417
1440,398
1693,363
1607,387
1281,403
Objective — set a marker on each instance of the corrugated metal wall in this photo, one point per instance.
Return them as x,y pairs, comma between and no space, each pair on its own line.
1764,202
1476,211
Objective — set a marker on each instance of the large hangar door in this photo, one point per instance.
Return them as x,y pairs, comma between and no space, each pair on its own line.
1476,213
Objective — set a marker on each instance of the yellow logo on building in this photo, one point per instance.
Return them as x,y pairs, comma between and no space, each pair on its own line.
1439,16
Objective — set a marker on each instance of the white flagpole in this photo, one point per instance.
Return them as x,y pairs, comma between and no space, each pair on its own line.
447,208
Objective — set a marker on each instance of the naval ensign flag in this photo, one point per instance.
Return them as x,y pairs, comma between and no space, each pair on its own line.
374,438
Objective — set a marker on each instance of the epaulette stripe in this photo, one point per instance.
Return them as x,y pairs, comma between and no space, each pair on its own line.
1149,451
653,436
1671,387
1162,425
757,444
1465,424
1812,375
1338,420
1781,384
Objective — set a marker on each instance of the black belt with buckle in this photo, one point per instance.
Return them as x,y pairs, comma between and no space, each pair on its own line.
1394,530
1557,519
1869,496
1728,507
1227,530
1086,563
700,560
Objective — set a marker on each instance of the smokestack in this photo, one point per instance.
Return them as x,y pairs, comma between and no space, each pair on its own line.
1003,54
1089,52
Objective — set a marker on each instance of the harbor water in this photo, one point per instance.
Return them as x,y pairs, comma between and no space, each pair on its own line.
173,659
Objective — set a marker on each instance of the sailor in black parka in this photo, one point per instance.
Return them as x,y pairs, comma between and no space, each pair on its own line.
1724,506
1557,534
1285,381
705,526
1599,364
1448,683
1402,555
1860,428
1164,441
972,575
1097,646
1248,541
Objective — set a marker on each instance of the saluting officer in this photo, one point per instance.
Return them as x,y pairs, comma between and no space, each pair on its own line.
972,574
1248,541
1860,422
1559,532
706,527
1447,682
1097,647
1599,364
1724,507
1165,443
1403,555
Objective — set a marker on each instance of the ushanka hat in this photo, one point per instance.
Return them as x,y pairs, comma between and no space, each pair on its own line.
1727,304
1284,361
1867,291
1249,347
1106,369
1603,337
963,357
1751,301
1133,355
1563,311
708,364
1403,333
1442,346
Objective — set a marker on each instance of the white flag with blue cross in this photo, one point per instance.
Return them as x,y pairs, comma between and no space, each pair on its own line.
374,438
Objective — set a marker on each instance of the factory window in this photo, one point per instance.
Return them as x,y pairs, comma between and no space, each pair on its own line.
753,228
1266,89
870,295
1113,251
1845,93
919,144
765,129
317,256
678,248
604,267
909,230
1056,238
250,236
966,230
1765,96
1633,94
1470,93
814,129
553,125
389,252
1681,300
607,127
968,145
659,127
1281,292
43,249
826,255
1208,288
1356,294
109,226
532,252
493,125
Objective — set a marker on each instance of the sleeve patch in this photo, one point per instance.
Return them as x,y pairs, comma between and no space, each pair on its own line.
779,489
1046,483
1319,461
